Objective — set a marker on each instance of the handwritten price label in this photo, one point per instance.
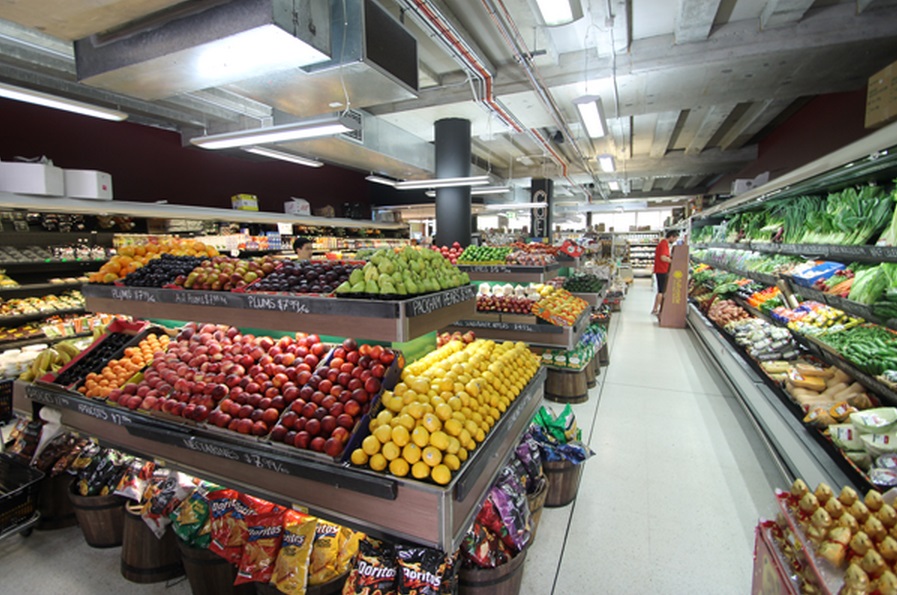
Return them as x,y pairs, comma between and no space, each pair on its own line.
133,294
201,298
46,397
276,303
427,304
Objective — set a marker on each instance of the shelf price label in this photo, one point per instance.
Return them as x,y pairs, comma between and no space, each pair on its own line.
103,414
427,304
238,455
47,397
200,298
277,303
133,294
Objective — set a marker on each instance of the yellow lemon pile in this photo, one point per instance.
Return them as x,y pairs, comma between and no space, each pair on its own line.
444,406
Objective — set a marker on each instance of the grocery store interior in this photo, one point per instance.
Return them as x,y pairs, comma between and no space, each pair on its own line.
355,296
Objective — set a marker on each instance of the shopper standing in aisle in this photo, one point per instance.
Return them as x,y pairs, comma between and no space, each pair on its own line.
662,259
303,247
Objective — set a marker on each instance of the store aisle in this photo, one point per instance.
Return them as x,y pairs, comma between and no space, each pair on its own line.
669,502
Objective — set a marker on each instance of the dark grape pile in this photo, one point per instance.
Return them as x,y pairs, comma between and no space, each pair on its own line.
162,271
306,277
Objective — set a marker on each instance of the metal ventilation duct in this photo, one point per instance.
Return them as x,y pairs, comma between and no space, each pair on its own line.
374,62
213,45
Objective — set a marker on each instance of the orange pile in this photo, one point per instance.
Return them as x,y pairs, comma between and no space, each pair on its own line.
131,258
118,371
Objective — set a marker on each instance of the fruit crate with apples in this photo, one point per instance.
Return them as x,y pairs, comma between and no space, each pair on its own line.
119,335
336,400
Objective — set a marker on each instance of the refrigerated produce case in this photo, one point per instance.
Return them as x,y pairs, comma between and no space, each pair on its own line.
794,445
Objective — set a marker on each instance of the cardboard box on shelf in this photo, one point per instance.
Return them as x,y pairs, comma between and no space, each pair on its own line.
88,183
881,97
327,211
32,178
297,206
244,202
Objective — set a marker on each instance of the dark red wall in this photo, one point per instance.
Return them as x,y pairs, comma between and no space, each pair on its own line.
824,124
149,164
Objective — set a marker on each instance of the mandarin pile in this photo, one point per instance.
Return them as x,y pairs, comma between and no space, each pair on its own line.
444,407
131,258
118,371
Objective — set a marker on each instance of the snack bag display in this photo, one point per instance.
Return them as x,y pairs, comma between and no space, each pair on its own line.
375,569
265,533
135,479
481,548
103,474
506,511
348,548
65,461
560,427
191,521
290,574
420,570
221,524
56,448
324,564
25,438
166,497
530,457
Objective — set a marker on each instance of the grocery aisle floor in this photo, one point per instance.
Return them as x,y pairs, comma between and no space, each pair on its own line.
666,506
669,502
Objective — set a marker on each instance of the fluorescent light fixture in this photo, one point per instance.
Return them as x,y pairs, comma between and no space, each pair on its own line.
443,182
559,12
591,111
516,206
328,125
381,180
69,105
480,191
607,163
614,185
283,156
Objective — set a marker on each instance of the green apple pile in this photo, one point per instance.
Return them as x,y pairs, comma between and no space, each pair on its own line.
407,272
484,255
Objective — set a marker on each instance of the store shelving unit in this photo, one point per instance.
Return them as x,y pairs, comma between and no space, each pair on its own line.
533,333
510,273
800,451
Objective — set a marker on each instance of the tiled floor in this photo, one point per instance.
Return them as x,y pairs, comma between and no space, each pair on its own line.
666,506
669,502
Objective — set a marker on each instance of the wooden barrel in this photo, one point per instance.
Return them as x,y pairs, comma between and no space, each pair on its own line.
591,380
210,574
101,518
332,587
563,482
501,580
56,510
563,386
603,356
536,501
144,557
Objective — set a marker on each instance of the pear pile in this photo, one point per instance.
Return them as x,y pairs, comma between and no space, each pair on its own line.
405,272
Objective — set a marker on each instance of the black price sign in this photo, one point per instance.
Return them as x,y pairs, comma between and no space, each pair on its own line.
277,303
133,294
427,304
230,453
47,397
200,298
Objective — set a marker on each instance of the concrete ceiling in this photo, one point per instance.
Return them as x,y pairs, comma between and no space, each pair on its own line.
688,86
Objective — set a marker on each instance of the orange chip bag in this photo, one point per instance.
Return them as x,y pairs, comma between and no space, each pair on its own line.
263,541
290,573
324,554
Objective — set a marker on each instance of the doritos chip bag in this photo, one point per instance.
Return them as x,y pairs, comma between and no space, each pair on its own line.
375,570
220,526
324,554
419,570
290,574
261,548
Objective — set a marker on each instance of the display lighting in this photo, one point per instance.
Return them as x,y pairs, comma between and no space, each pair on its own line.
382,180
559,12
314,127
606,162
614,185
516,206
431,183
591,111
481,191
283,156
61,103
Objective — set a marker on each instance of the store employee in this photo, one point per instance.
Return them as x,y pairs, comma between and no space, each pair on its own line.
303,247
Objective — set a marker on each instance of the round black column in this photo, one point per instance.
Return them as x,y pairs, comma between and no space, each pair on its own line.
453,223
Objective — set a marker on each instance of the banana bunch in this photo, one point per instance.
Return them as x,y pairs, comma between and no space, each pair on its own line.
51,360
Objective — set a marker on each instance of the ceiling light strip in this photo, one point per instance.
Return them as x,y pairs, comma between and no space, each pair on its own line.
60,103
314,127
264,151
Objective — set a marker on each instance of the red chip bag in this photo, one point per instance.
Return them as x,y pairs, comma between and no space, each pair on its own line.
265,532
220,524
243,506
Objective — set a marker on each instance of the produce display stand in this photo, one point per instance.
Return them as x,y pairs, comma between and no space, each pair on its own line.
381,320
863,254
511,273
593,299
436,516
532,333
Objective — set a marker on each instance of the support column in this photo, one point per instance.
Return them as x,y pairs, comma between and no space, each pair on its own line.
589,221
453,219
541,224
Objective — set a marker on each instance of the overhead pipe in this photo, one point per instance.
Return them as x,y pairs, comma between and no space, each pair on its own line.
433,18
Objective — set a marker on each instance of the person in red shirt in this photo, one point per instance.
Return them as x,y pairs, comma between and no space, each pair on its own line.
662,260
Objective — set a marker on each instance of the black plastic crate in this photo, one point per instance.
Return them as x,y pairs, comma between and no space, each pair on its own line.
19,488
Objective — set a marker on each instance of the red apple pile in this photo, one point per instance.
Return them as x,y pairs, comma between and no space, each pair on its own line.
334,398
215,374
223,273
451,254
506,304
443,338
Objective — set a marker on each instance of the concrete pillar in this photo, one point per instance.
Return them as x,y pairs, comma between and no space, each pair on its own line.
453,219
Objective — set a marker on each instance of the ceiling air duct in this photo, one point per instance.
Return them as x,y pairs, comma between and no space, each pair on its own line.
214,44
